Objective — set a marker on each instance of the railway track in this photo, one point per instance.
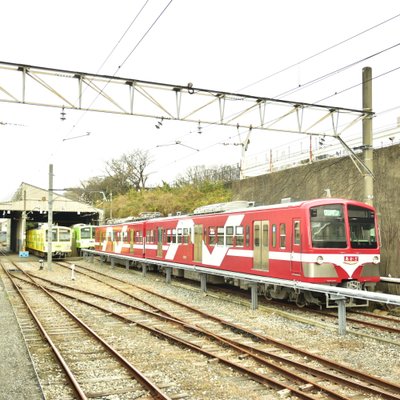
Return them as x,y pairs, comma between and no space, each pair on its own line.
225,341
359,322
78,348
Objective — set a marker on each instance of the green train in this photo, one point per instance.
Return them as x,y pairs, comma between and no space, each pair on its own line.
61,241
83,236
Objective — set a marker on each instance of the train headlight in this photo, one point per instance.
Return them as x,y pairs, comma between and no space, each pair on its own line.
320,260
375,260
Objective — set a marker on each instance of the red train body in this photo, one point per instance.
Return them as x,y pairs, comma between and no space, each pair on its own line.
327,241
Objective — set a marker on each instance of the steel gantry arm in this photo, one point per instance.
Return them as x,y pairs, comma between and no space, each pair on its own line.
40,86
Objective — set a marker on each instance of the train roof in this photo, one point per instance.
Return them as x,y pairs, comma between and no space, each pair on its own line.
240,207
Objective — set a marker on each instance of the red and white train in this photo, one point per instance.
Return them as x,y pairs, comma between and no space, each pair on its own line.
326,241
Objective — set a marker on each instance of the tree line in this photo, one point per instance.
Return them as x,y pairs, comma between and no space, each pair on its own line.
125,181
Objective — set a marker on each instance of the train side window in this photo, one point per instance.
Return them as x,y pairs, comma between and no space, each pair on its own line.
282,236
169,236
273,235
239,236
173,235
220,235
179,237
229,235
211,236
186,234
296,229
247,235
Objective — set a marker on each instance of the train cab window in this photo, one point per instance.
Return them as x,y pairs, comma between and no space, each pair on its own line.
86,232
247,235
64,235
229,235
282,236
239,237
362,228
220,235
53,235
328,226
211,236
273,235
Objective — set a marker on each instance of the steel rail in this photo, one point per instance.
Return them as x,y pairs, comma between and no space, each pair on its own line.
77,388
360,322
313,287
256,376
348,371
145,382
248,350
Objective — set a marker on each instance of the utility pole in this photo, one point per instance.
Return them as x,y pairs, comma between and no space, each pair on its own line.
50,220
368,151
23,227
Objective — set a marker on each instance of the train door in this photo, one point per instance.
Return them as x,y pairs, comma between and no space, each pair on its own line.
131,239
261,245
198,243
159,242
295,254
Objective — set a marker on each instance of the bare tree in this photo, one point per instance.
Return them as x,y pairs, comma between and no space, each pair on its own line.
129,171
199,174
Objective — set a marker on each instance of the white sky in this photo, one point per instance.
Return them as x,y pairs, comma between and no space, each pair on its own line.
223,45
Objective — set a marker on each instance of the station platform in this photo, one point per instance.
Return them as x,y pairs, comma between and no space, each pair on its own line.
18,380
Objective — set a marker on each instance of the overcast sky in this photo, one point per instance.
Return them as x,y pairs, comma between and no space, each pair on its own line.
227,45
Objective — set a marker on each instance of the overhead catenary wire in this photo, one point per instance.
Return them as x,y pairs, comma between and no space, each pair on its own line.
123,35
337,71
358,84
126,58
320,52
319,101
319,79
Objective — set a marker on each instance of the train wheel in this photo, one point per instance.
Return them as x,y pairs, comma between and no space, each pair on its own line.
300,300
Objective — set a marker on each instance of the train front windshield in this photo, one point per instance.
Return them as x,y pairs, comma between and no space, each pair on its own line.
328,227
362,228
87,233
65,235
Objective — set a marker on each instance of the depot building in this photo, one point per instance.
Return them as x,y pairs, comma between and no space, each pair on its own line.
30,204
